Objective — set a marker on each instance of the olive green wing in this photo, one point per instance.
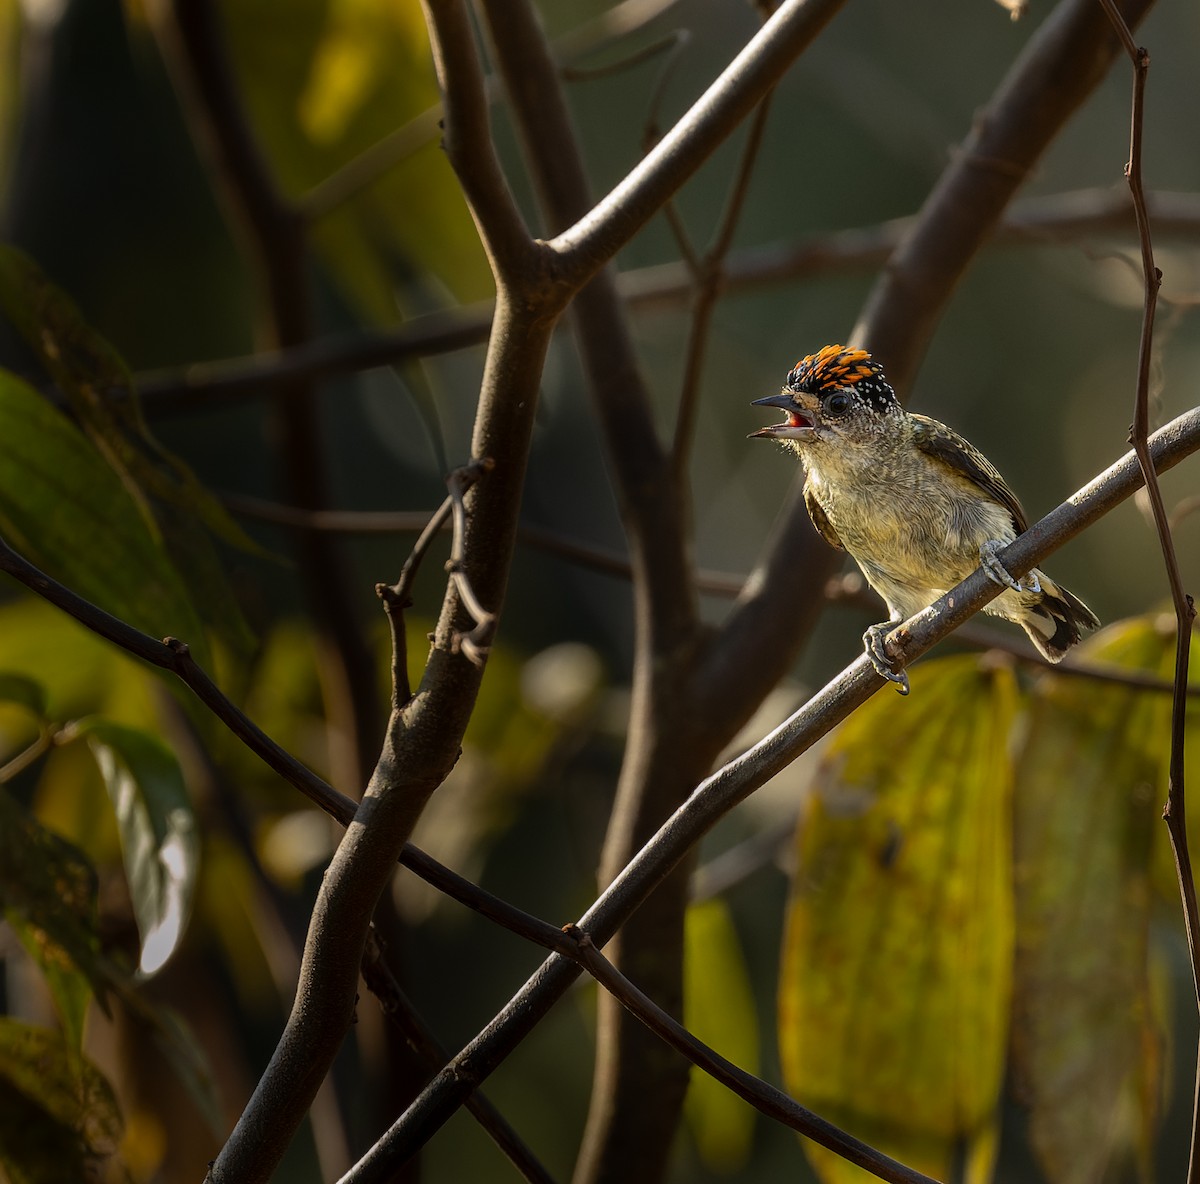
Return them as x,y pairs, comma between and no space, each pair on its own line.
947,446
821,520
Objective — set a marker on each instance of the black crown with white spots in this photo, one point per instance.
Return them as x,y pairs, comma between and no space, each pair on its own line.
837,368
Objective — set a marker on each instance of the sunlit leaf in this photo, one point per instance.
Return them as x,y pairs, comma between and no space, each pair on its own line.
339,79
719,1010
48,894
159,843
58,1118
1088,790
896,972
67,512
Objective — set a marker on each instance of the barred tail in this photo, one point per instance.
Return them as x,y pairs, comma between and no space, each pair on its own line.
1054,621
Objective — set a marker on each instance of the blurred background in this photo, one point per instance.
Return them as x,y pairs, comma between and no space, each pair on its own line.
1034,362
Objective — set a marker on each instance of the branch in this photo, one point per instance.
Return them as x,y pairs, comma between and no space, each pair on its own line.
763,1096
1053,219
603,231
398,1008
575,944
1175,812
424,735
710,284
467,138
718,794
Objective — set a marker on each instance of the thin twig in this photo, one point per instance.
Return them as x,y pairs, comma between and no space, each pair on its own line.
1052,219
710,279
651,134
434,525
475,643
26,757
1174,813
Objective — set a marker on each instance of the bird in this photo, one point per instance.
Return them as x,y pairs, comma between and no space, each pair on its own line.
917,506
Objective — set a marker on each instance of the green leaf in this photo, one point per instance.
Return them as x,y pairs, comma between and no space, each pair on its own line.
896,970
64,508
719,1009
70,988
1089,782
159,843
48,894
174,507
58,1117
24,691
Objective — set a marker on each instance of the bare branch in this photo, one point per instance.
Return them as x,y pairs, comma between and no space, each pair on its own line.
476,642
710,281
398,1008
719,793
574,943
467,137
598,235
1057,219
1174,812
760,1094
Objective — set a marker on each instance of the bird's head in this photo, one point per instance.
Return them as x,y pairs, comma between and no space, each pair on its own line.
834,394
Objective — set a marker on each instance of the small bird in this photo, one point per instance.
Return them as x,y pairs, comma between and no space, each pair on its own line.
916,505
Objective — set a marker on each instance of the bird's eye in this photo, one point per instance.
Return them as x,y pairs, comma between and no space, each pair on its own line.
837,403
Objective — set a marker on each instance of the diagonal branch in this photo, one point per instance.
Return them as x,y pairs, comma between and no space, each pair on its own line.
718,794
467,138
1058,218
605,229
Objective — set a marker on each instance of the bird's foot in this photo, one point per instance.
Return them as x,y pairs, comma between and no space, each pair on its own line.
874,642
989,560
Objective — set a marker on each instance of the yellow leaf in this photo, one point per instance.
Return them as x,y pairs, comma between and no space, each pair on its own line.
1090,781
896,969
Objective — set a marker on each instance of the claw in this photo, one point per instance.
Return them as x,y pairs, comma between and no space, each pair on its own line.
989,560
876,649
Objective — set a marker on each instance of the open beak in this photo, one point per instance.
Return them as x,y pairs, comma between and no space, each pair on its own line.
799,423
